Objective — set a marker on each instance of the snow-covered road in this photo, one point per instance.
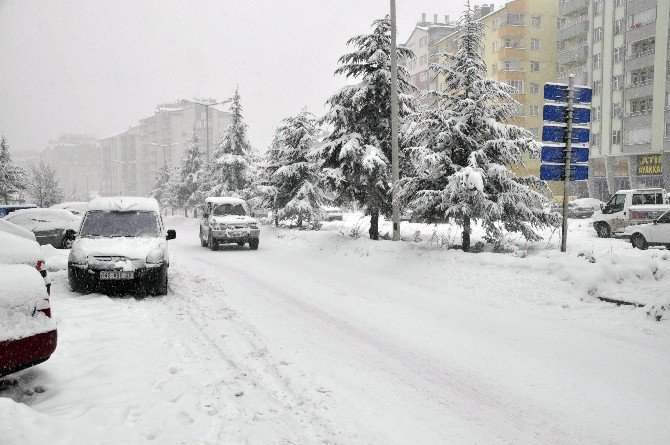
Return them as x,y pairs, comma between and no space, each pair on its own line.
317,337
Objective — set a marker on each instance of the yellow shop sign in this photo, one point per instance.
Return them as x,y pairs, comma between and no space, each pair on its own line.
649,165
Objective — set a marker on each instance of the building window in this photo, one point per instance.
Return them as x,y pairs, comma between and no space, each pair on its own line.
494,68
643,47
597,7
597,61
642,18
535,132
534,66
597,34
534,110
534,43
595,114
423,41
423,60
642,76
534,88
667,130
642,105
617,82
495,47
617,53
620,3
616,110
616,137
513,19
595,139
597,87
517,86
618,26
536,21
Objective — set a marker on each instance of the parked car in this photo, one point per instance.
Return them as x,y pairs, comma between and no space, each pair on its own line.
630,207
19,247
655,234
331,213
7,209
122,242
228,221
57,227
28,335
577,211
76,207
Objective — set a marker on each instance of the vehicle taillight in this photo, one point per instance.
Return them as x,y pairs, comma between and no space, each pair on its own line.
39,265
47,311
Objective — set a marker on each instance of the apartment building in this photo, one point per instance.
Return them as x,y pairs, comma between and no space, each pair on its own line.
422,42
519,48
76,160
620,49
130,159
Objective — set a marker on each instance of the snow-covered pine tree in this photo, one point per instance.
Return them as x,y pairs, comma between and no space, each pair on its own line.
187,187
161,190
267,187
229,172
463,149
356,155
12,178
44,187
297,181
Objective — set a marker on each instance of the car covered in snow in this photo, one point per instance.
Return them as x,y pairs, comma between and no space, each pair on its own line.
228,221
57,227
655,234
28,334
331,213
7,209
18,246
122,242
76,207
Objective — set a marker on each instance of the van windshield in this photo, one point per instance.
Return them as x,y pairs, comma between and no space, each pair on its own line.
228,209
116,224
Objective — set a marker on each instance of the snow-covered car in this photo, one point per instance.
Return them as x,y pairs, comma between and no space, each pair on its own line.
331,213
28,335
629,207
579,211
18,246
7,209
228,221
57,227
122,241
76,207
655,234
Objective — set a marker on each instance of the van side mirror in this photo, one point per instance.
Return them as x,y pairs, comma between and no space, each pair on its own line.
656,221
171,234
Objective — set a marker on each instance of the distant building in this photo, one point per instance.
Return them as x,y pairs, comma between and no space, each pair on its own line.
130,159
620,49
76,160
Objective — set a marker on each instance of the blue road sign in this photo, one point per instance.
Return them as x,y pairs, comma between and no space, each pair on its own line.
557,133
552,153
558,92
555,172
559,113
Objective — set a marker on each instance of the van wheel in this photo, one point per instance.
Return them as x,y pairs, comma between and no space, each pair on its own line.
603,230
639,242
203,242
161,287
253,243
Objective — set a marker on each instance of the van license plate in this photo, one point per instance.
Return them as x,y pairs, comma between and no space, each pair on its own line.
116,275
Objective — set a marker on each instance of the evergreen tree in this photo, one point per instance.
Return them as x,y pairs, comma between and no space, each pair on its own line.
463,151
356,155
43,186
161,191
12,178
296,180
229,173
267,186
187,187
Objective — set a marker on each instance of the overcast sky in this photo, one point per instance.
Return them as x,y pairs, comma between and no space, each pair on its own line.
97,67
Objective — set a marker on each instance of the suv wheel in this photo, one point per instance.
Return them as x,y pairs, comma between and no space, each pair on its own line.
253,243
639,242
603,230
211,242
161,286
203,242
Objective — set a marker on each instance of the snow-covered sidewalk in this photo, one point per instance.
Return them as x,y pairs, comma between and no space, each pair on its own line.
319,337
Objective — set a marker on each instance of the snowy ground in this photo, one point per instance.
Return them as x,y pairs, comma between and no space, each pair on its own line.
318,337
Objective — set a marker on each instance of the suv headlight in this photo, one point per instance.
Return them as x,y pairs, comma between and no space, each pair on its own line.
253,225
155,257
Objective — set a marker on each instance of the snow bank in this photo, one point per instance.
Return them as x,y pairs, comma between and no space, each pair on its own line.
7,227
21,292
17,250
124,204
56,259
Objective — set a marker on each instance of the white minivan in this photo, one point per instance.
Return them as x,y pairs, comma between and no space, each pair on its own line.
122,241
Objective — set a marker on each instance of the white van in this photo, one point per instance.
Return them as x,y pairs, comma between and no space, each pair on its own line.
630,207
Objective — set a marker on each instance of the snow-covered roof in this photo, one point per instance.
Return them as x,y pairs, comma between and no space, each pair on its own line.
18,250
61,213
224,200
124,204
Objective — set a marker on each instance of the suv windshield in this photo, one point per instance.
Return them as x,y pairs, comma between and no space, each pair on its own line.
112,224
228,209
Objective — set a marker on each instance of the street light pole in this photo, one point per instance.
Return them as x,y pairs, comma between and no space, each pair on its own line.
207,105
394,125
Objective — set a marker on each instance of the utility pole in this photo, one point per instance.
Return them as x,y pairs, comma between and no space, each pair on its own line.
568,154
394,124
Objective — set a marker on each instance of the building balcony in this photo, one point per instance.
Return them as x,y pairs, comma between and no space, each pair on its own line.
573,29
568,8
640,60
577,54
634,91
